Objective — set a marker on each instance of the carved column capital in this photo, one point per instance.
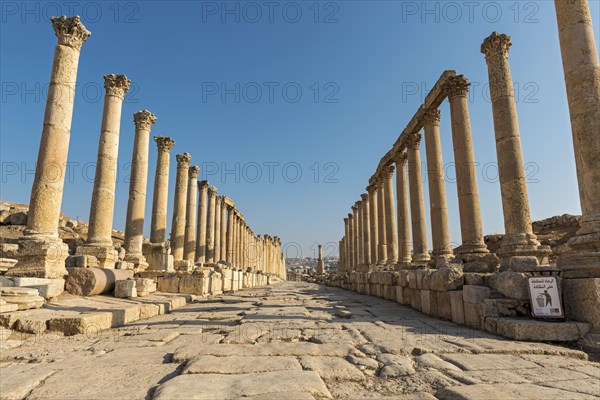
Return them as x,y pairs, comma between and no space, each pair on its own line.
202,185
496,45
212,191
388,171
164,143
183,159
193,172
116,85
400,157
414,141
364,197
371,189
431,116
70,31
144,119
457,85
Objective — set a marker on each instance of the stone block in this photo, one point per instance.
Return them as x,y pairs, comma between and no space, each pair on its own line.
501,307
144,286
24,298
475,294
183,265
399,294
444,307
6,282
407,296
419,274
88,324
475,279
125,289
457,305
528,329
479,267
106,256
92,281
446,279
40,258
581,298
18,218
415,299
81,261
412,279
513,285
149,310
7,263
8,307
523,263
425,302
403,278
124,265
193,284
473,315
168,283
47,288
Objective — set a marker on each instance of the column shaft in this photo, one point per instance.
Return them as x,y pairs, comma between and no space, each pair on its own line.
223,231
217,252
202,221
381,222
158,226
417,202
391,231
189,252
373,213
180,207
404,255
366,261
210,225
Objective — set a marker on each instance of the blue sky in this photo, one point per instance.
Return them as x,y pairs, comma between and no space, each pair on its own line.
299,99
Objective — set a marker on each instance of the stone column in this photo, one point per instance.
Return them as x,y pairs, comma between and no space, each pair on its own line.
471,229
438,209
138,181
366,232
320,265
202,220
217,251
210,229
229,247
41,252
519,238
373,234
346,243
340,266
350,242
381,222
191,215
417,203
356,233
158,226
391,231
179,208
223,230
582,78
99,242
359,234
404,255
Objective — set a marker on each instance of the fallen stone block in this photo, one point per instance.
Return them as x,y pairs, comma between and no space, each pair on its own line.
47,288
475,294
513,285
125,289
523,263
446,279
81,261
7,263
24,298
92,281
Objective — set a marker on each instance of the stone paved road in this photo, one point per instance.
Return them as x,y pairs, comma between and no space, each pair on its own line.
293,341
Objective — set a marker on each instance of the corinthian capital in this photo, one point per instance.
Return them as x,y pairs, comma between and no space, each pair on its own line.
193,172
183,159
431,116
388,171
497,44
212,191
70,31
456,85
364,197
203,185
164,143
116,85
400,157
413,141
144,119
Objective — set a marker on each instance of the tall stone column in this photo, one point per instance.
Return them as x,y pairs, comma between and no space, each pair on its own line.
223,230
381,222
217,251
373,234
519,238
438,209
180,206
417,203
210,228
473,245
359,234
41,252
404,255
138,181
230,223
350,242
320,264
391,230
356,233
582,78
202,221
158,226
340,266
346,243
99,242
366,261
189,252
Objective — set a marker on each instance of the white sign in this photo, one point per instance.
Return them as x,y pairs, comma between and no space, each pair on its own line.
545,297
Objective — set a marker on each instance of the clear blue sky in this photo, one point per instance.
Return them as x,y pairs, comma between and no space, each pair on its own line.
363,68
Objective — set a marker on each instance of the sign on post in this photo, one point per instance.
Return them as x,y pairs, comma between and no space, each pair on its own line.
545,297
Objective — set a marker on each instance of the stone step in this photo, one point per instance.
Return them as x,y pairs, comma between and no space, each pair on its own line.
537,330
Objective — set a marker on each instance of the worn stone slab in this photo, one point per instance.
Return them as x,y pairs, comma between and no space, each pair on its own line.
507,391
476,362
530,329
218,387
240,364
23,379
332,368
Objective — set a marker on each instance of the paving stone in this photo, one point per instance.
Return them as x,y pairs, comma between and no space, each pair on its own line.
475,362
332,368
507,391
218,387
20,379
240,364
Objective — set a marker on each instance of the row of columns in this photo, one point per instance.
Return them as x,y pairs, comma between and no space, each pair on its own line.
206,229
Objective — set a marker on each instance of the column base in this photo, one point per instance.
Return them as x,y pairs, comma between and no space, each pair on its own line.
421,259
522,244
183,265
472,252
40,258
107,256
405,265
158,256
440,261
